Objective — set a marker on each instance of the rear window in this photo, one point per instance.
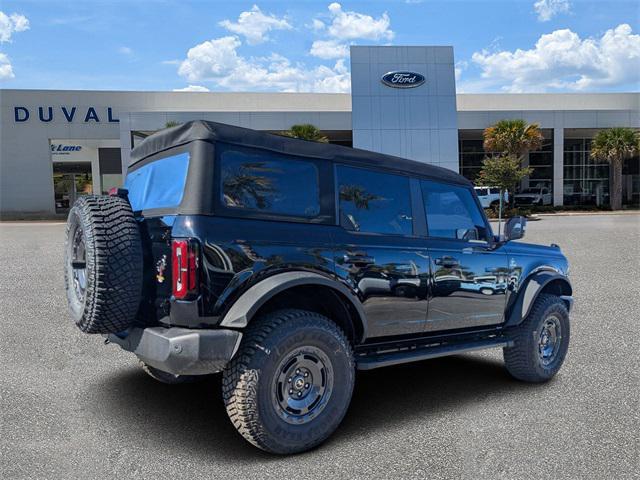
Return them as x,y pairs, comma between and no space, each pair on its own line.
159,184
261,181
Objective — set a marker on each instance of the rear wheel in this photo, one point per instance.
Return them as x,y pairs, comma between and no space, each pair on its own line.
540,342
103,264
290,384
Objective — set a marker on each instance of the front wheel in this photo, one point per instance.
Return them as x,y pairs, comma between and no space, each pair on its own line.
290,384
541,341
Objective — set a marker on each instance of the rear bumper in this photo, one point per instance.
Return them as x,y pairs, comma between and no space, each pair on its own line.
180,351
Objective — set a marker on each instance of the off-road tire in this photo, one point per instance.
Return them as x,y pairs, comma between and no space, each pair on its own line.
113,264
523,360
168,378
250,380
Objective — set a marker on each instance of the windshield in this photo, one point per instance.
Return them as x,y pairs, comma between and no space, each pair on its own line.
531,190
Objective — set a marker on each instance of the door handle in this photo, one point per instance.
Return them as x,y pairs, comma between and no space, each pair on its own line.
447,262
359,260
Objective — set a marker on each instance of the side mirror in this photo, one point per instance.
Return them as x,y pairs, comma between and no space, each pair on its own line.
515,228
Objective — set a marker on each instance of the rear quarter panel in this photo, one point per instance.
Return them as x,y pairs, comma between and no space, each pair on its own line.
238,253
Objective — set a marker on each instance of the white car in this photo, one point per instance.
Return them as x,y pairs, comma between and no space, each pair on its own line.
534,196
490,196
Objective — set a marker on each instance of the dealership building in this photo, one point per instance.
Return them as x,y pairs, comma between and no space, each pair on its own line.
58,144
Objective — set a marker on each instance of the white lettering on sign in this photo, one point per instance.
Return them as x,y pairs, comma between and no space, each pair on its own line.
403,79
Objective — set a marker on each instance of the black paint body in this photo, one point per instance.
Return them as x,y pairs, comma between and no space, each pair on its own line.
400,286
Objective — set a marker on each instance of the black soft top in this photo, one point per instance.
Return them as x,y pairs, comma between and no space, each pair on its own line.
220,132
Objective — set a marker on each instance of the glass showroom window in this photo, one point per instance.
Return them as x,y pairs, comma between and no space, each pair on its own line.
586,181
542,163
631,182
472,154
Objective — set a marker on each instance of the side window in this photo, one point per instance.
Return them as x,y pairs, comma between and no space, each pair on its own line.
265,182
452,212
374,202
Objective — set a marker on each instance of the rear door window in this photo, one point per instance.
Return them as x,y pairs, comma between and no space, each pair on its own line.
452,212
374,202
265,182
158,184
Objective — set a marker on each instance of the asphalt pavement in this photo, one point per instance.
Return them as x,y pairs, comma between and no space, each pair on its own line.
72,407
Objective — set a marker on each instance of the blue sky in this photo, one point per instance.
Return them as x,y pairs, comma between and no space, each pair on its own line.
500,46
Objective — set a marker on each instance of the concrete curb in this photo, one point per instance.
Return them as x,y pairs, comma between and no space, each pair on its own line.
538,216
570,214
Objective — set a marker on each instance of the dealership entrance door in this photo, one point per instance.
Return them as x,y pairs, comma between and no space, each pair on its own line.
71,180
83,167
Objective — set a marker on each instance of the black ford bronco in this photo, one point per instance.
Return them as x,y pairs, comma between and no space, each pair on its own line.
287,265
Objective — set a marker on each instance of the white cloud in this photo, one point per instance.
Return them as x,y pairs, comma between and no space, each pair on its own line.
211,59
561,60
328,49
125,51
347,25
317,25
547,9
10,24
6,70
218,61
254,25
192,88
460,67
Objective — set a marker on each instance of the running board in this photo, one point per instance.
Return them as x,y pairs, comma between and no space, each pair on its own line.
425,353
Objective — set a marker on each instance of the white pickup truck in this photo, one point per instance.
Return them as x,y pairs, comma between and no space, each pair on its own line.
539,195
490,196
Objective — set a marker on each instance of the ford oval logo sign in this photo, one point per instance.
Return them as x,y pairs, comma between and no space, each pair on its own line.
403,79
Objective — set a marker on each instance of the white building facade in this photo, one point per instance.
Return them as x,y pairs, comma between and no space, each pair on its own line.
56,145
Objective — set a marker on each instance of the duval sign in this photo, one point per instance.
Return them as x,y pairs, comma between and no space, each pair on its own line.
401,79
47,114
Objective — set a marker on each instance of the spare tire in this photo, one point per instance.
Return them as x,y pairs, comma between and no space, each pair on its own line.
103,264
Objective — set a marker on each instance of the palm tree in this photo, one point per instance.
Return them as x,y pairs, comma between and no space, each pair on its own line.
509,141
512,137
615,145
358,195
306,131
248,186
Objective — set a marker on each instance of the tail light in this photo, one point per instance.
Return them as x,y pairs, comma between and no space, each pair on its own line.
186,263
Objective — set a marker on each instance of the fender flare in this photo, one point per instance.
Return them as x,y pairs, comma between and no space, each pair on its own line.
245,307
531,288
